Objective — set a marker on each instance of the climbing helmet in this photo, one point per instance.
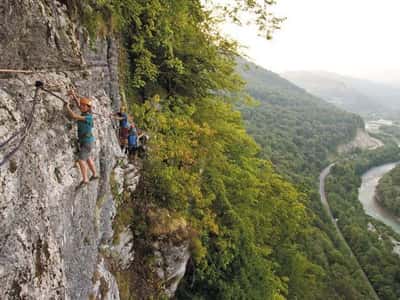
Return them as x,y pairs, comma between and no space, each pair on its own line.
85,101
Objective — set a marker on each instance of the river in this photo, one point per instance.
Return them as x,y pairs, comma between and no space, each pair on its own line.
366,195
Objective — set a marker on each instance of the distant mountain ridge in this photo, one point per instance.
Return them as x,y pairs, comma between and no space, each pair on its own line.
365,97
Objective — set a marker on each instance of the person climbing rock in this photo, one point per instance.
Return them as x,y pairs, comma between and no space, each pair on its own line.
137,143
85,136
122,117
132,141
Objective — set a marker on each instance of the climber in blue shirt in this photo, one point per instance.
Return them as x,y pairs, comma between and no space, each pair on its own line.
132,141
85,136
124,126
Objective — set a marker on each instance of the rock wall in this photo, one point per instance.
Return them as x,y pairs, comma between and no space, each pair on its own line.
52,229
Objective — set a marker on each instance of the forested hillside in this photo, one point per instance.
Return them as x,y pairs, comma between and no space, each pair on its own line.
298,132
388,191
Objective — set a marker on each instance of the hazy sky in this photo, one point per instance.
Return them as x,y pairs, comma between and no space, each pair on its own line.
352,37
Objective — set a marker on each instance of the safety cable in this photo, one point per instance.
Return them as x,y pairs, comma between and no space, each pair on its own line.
13,136
25,130
54,69
53,94
65,101
38,85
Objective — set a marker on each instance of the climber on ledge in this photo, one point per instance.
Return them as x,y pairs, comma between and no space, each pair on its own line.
132,141
122,117
85,136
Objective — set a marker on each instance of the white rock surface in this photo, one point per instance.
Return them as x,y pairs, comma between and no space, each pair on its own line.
50,229
123,252
171,261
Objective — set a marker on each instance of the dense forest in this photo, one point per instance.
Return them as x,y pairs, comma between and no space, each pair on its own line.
296,130
388,191
370,240
258,230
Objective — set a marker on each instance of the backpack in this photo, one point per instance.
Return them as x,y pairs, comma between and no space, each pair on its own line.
132,138
132,141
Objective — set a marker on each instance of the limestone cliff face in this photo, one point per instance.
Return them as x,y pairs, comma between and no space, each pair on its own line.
52,230
55,238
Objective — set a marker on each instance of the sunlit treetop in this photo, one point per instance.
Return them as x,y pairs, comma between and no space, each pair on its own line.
256,13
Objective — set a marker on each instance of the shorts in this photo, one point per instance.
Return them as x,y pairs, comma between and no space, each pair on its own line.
123,142
84,151
124,133
132,149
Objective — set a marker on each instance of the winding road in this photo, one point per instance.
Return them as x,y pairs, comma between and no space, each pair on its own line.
325,203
